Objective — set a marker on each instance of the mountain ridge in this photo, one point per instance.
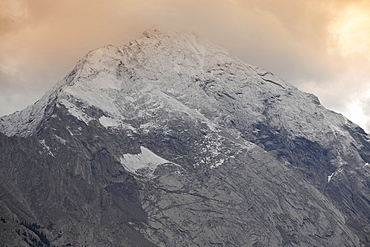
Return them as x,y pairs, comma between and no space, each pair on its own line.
85,67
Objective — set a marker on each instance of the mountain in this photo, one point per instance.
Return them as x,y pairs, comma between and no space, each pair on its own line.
173,141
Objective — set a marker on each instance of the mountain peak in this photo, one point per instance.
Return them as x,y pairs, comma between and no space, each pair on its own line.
171,130
152,33
175,71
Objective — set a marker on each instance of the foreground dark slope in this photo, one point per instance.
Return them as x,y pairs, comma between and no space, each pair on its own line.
172,141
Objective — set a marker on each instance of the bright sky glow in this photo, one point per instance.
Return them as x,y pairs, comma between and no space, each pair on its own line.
356,114
351,31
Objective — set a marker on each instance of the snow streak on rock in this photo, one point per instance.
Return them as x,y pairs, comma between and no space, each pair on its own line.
144,162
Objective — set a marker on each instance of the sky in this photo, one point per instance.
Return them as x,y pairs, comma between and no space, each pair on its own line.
321,47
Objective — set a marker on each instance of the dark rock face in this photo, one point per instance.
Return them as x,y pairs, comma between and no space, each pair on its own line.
171,141
77,193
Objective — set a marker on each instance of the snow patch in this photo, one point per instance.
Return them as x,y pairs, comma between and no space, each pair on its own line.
46,147
146,159
61,140
76,112
330,176
339,170
69,130
220,162
108,122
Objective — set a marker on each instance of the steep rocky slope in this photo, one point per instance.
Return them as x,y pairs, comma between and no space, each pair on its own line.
173,141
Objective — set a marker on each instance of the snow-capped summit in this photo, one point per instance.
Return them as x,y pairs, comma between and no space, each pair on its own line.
177,64
178,72
167,62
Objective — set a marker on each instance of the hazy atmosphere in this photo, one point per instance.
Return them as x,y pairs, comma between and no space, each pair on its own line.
322,47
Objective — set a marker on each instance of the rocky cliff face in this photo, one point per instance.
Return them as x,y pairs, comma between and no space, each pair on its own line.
173,141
